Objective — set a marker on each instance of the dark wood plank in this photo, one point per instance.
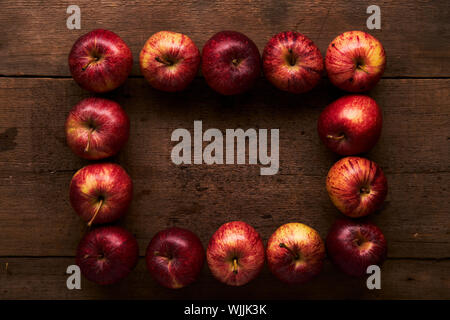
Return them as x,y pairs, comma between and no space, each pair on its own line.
415,135
36,166
35,40
45,278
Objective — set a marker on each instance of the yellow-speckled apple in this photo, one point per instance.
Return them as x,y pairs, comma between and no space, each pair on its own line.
97,128
292,62
355,61
295,253
235,253
101,192
357,186
169,61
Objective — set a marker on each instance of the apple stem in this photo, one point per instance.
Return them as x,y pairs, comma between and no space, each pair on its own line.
235,62
295,255
360,67
235,266
292,59
96,212
364,190
89,140
89,63
167,63
340,137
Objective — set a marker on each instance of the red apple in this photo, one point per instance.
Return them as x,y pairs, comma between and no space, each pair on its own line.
235,253
355,61
97,128
295,253
353,246
230,62
101,193
175,257
169,61
292,62
356,186
106,255
100,61
350,125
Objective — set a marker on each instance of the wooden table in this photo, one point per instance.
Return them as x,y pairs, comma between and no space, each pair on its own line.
39,231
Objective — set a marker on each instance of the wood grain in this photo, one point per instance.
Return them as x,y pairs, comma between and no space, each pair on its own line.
36,41
36,166
45,278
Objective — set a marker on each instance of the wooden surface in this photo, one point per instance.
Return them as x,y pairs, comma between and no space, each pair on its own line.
35,40
39,231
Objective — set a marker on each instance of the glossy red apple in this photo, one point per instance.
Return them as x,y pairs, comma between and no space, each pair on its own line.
107,254
350,125
101,193
353,246
231,62
97,128
169,61
295,253
355,61
175,257
357,186
292,62
100,61
235,253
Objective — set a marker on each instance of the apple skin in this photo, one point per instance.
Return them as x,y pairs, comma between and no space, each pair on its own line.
100,61
295,253
175,257
350,125
356,186
292,62
101,193
355,61
169,61
231,62
107,254
353,246
97,128
235,253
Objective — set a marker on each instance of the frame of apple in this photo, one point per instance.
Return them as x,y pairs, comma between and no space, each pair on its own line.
97,128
